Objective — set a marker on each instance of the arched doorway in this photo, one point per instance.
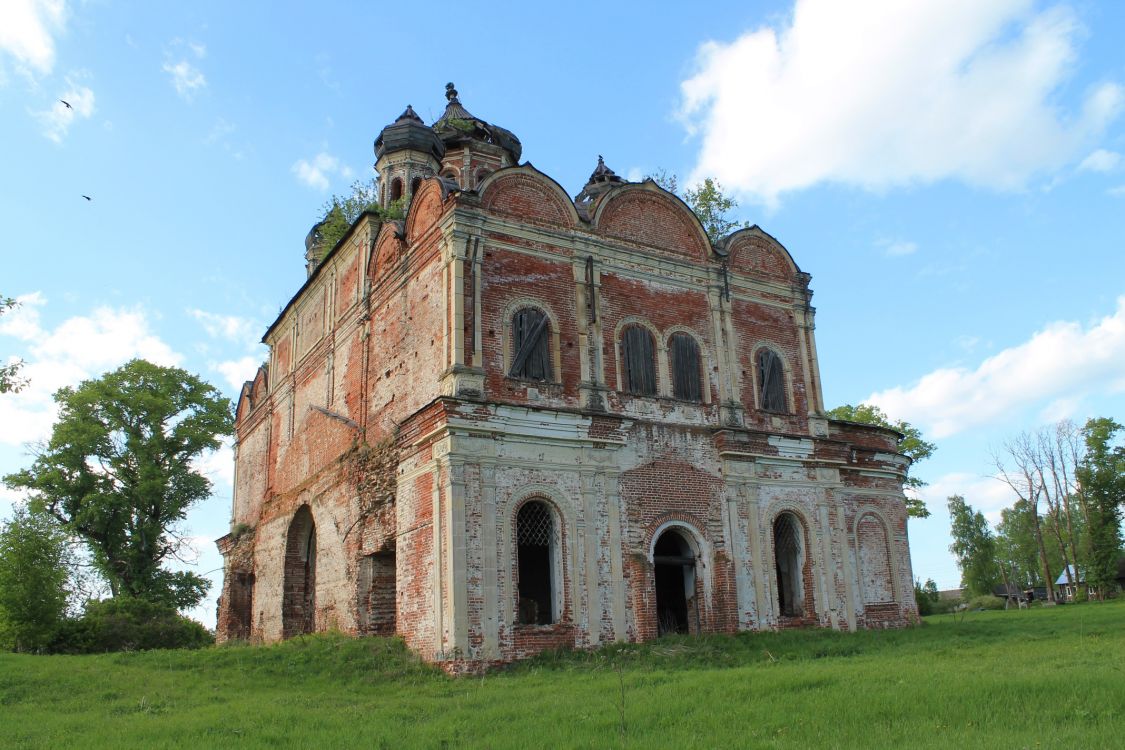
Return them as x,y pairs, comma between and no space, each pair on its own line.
298,608
536,545
677,609
789,564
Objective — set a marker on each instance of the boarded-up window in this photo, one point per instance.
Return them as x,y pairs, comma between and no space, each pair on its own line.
771,381
686,366
638,361
531,358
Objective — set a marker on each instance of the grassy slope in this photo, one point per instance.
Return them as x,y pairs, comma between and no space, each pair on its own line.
1041,678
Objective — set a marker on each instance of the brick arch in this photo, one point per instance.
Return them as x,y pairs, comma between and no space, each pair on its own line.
754,252
298,606
426,208
563,512
873,558
514,305
649,215
527,194
389,247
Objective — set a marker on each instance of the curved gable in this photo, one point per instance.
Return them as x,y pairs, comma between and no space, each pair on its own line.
426,208
388,249
527,194
754,252
245,403
649,215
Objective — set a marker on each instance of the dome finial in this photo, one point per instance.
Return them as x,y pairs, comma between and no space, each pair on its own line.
451,93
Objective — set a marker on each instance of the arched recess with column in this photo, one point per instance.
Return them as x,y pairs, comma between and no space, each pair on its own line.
298,608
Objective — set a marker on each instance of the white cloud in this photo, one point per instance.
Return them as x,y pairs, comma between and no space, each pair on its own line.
897,248
186,78
77,349
218,466
1101,161
238,371
988,494
1117,192
58,119
230,327
1064,360
316,173
887,93
27,29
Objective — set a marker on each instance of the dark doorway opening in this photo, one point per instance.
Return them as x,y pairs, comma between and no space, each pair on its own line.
674,571
789,561
298,609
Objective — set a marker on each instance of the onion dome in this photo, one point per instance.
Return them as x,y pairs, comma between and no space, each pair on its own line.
409,133
602,179
457,127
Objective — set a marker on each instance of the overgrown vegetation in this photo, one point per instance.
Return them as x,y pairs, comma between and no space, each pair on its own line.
1046,677
709,202
341,211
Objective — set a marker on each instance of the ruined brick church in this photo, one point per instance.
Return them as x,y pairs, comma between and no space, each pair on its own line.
513,420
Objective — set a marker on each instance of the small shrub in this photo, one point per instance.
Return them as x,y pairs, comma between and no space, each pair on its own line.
126,624
984,602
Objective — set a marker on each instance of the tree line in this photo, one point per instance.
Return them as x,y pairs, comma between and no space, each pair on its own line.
1065,523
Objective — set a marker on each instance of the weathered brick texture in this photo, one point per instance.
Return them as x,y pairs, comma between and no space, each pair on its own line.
384,449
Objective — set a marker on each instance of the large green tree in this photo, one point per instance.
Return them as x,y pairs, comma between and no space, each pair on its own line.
10,379
34,566
1101,476
974,547
911,445
118,473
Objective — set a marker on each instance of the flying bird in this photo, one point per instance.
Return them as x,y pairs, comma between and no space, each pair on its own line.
64,101
87,197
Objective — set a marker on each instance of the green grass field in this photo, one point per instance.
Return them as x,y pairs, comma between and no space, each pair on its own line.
1044,678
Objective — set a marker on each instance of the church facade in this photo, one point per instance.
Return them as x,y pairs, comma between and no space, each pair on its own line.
512,420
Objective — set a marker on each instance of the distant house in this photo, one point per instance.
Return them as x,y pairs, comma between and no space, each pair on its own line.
1067,591
1010,592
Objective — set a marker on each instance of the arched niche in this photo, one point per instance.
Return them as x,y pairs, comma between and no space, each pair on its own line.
527,194
876,578
388,251
426,208
648,215
755,253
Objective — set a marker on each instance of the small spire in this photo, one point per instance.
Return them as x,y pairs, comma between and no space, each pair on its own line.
408,114
602,173
451,93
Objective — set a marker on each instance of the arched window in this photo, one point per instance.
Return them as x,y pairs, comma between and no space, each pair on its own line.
449,174
481,174
415,184
531,352
789,565
396,189
771,381
298,608
535,563
638,361
686,366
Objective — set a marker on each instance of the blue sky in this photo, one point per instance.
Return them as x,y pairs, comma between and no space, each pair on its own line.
950,173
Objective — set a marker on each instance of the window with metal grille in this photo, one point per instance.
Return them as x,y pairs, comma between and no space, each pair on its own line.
686,366
535,552
771,381
638,361
531,358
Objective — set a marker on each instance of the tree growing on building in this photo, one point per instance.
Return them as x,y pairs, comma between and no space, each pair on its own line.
118,473
911,445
